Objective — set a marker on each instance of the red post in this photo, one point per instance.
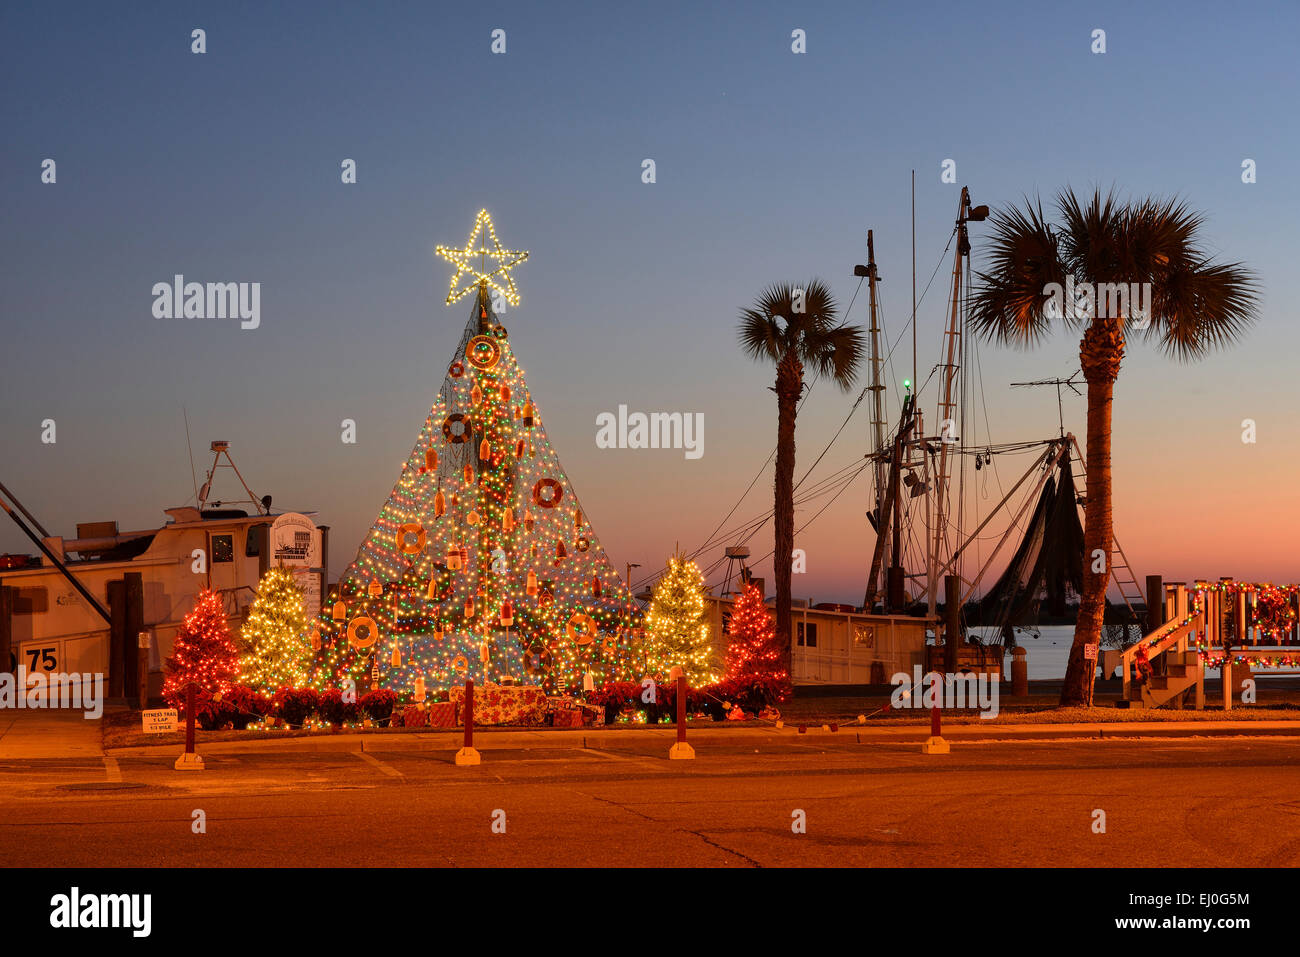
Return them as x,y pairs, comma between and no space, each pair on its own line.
681,709
469,713
934,714
189,718
935,744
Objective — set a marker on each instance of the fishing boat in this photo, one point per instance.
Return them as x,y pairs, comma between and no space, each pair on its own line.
110,602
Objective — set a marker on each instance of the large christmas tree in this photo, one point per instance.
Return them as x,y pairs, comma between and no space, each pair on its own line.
482,562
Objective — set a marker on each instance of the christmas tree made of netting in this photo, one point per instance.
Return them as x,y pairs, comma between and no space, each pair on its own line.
482,562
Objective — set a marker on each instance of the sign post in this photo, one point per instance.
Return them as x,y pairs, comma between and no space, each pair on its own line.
189,761
143,642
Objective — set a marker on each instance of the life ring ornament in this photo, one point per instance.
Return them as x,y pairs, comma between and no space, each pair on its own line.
460,664
449,428
581,629
409,531
499,331
362,633
457,370
482,352
582,544
547,493
537,660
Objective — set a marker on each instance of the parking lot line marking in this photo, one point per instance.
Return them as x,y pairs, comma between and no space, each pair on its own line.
388,769
113,771
643,760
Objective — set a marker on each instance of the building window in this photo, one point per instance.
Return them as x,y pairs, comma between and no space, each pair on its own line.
223,549
253,543
32,600
806,634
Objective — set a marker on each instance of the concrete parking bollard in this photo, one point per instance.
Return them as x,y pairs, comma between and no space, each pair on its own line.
681,751
1019,672
467,756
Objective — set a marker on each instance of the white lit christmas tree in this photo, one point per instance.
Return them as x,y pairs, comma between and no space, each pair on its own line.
482,562
677,629
275,643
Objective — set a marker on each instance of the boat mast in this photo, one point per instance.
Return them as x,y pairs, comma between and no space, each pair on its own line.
877,393
946,418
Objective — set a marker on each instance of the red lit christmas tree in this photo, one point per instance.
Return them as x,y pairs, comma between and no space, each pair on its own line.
204,652
754,649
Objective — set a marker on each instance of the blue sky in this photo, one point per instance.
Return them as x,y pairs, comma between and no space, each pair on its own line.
770,166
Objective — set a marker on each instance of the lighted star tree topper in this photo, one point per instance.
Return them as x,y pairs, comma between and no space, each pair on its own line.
472,260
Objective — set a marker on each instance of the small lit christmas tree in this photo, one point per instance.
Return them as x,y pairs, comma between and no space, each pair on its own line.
676,630
203,653
276,652
754,648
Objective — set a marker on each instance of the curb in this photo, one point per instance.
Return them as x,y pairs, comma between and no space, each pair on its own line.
848,734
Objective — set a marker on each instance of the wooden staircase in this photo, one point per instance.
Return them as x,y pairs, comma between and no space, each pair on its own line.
1182,674
1177,668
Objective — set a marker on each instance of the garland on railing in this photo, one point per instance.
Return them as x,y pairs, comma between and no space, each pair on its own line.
1272,615
1255,661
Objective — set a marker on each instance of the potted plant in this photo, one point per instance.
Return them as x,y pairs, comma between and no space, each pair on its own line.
296,705
240,706
614,696
379,705
337,711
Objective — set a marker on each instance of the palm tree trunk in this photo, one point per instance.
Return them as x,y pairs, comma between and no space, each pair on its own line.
1100,354
789,386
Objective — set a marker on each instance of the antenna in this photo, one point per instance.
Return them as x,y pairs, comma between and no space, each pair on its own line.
1071,383
194,476
219,448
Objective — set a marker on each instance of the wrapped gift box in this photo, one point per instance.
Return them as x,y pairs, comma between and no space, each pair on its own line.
494,704
442,714
566,718
413,717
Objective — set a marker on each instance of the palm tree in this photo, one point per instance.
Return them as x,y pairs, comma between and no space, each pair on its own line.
1194,306
790,326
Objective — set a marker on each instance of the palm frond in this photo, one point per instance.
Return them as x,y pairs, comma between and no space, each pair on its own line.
1009,305
835,353
1203,306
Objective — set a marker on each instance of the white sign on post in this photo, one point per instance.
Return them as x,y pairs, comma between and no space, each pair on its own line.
159,721
1090,652
295,542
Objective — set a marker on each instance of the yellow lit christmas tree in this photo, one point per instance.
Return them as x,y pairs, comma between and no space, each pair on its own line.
676,630
275,649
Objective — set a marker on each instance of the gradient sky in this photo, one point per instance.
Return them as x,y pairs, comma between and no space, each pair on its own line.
771,166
